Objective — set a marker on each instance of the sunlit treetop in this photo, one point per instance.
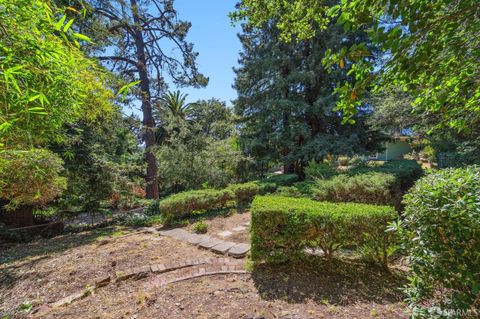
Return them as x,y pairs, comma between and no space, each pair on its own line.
431,49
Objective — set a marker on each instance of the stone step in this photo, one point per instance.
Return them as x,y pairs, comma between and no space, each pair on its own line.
237,250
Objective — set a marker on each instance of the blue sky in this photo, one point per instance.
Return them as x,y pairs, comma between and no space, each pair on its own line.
215,39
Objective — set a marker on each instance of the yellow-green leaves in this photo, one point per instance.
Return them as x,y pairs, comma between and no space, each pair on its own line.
45,80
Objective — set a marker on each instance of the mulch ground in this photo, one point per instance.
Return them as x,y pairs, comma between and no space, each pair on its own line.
48,270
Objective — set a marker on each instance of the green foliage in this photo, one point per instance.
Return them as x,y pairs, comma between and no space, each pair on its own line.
307,188
199,149
45,81
406,172
200,227
370,188
369,182
174,102
141,220
30,177
283,227
281,179
286,101
431,49
245,192
442,234
288,191
153,208
319,170
103,164
183,204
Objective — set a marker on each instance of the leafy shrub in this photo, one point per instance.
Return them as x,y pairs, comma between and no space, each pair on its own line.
370,188
306,188
406,172
245,192
153,208
200,227
30,177
319,170
288,191
442,234
283,227
183,204
281,179
140,220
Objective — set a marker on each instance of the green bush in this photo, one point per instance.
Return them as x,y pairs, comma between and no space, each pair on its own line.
30,177
406,172
370,188
442,235
185,203
288,191
283,227
200,227
245,192
140,220
316,170
281,179
153,208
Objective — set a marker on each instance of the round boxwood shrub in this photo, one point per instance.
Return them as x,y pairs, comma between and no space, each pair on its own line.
442,235
30,178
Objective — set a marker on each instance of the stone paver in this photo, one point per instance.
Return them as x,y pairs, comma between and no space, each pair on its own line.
239,250
195,239
69,299
210,243
223,247
180,234
225,233
172,232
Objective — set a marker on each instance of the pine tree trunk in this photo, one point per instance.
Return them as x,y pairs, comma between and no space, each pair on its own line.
148,121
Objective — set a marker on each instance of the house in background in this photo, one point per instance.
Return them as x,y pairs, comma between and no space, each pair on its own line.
395,149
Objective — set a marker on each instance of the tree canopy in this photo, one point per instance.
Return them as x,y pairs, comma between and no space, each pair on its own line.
431,49
286,102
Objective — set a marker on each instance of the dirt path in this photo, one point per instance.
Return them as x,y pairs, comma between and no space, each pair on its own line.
48,270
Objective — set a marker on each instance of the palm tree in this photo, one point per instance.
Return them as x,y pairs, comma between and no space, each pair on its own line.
174,102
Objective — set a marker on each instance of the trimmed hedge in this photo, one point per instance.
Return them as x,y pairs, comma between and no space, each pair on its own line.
442,236
183,204
283,227
245,192
369,188
406,172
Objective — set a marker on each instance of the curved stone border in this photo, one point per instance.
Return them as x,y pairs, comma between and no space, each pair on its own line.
207,267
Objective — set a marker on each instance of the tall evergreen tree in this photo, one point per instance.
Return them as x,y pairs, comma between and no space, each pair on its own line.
286,99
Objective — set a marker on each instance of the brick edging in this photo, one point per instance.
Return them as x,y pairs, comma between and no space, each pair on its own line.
211,266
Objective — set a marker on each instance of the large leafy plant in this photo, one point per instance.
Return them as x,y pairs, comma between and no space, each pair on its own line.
442,234
30,177
45,79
